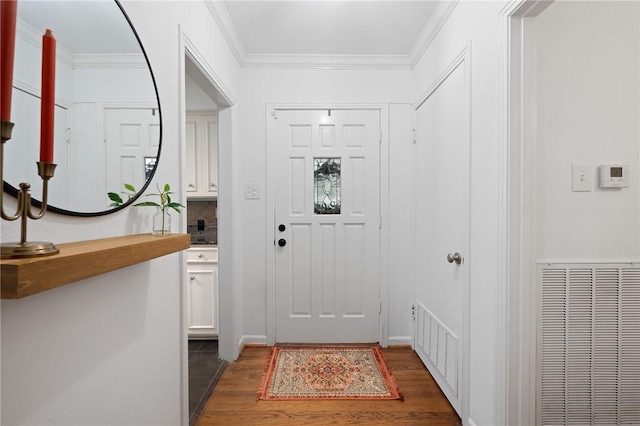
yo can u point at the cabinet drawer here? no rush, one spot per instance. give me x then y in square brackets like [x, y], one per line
[202, 255]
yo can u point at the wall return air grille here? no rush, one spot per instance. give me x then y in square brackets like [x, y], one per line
[440, 346]
[589, 344]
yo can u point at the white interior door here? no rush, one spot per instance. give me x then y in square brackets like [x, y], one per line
[442, 230]
[327, 213]
[131, 137]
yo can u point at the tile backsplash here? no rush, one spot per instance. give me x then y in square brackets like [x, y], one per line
[204, 211]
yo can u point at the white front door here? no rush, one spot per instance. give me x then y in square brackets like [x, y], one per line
[132, 138]
[442, 230]
[327, 214]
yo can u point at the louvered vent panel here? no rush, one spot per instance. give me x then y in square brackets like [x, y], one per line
[629, 373]
[554, 337]
[589, 343]
[440, 346]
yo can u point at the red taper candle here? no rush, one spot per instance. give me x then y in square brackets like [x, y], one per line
[47, 109]
[8, 10]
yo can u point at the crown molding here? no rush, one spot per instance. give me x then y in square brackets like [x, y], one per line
[221, 15]
[327, 61]
[436, 21]
[110, 61]
[431, 29]
[34, 37]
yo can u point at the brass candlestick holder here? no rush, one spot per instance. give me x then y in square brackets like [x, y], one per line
[23, 211]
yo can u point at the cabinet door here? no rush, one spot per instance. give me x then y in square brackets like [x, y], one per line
[193, 166]
[202, 300]
[211, 168]
[202, 154]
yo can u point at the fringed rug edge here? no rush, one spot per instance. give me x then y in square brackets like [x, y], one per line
[385, 370]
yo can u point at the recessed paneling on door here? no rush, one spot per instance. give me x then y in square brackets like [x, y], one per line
[327, 195]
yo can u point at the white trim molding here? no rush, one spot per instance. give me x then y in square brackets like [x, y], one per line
[307, 61]
[110, 61]
[431, 29]
[515, 365]
[221, 15]
[251, 339]
[34, 37]
[400, 341]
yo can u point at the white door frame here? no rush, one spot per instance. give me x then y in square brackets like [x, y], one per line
[515, 396]
[383, 109]
[229, 299]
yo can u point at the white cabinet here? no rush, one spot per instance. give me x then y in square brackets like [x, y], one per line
[202, 292]
[202, 155]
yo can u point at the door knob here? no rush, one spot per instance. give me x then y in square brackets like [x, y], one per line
[456, 257]
[281, 228]
[282, 242]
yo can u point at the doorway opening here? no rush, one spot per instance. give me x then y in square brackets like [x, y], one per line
[202, 90]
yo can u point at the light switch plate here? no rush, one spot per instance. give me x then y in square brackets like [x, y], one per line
[581, 178]
[252, 191]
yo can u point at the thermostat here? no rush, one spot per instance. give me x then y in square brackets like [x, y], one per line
[614, 176]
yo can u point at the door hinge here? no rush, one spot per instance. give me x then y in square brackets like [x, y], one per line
[274, 114]
[379, 306]
[380, 222]
[413, 312]
[413, 134]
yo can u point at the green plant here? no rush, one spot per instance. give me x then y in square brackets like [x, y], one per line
[165, 198]
[117, 199]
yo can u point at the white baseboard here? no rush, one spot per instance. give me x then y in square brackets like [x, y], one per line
[470, 422]
[252, 340]
[400, 341]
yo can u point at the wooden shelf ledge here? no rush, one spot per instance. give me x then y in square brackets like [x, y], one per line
[83, 259]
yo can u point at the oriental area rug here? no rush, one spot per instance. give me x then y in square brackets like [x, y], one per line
[296, 373]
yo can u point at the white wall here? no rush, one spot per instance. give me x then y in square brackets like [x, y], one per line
[477, 24]
[112, 349]
[196, 98]
[588, 109]
[306, 87]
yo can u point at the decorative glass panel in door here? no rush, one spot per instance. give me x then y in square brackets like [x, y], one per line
[326, 185]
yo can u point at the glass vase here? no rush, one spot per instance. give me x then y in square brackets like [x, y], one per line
[161, 222]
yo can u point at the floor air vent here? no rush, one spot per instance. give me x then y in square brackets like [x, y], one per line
[589, 344]
[440, 346]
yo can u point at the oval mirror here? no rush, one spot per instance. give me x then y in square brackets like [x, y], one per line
[108, 126]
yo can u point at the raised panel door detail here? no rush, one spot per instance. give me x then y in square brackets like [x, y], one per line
[202, 300]
[358, 186]
[127, 144]
[300, 270]
[192, 164]
[354, 136]
[355, 258]
[297, 186]
[327, 135]
[327, 269]
[301, 136]
[212, 156]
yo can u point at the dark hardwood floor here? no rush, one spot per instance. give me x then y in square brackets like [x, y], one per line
[233, 401]
[205, 369]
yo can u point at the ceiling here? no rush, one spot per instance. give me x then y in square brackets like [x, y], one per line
[82, 27]
[330, 32]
